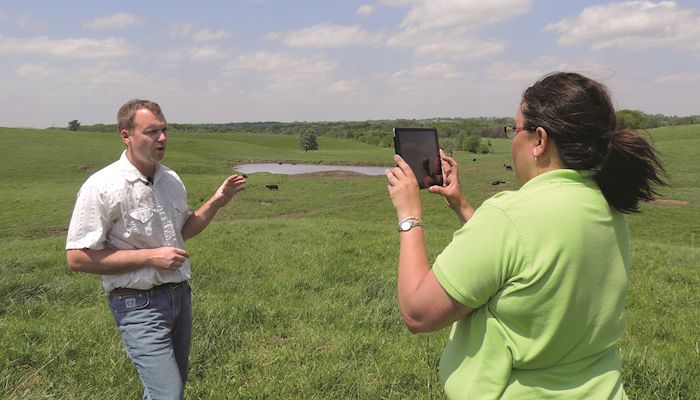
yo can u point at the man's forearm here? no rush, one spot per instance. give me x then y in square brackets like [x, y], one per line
[107, 262]
[199, 220]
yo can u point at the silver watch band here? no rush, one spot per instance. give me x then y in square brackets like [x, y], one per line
[408, 223]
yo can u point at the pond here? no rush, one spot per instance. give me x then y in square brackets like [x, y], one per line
[293, 169]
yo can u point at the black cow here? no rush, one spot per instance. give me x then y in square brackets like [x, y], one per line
[272, 187]
[508, 167]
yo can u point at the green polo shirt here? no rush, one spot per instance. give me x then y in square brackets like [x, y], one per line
[546, 270]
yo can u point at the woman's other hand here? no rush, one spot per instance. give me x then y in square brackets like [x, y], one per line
[452, 191]
[403, 190]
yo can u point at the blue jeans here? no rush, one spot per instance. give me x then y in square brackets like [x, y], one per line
[156, 326]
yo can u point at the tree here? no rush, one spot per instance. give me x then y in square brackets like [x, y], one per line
[74, 125]
[472, 143]
[448, 145]
[307, 141]
[629, 119]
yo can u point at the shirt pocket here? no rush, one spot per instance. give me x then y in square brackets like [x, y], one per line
[139, 222]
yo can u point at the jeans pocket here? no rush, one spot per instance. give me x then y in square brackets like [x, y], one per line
[128, 302]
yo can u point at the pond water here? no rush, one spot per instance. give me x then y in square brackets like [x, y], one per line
[293, 169]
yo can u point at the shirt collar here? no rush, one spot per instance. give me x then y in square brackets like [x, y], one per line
[559, 175]
[131, 173]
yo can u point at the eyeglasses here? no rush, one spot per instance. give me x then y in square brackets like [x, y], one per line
[511, 130]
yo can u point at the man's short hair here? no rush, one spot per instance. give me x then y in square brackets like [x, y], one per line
[125, 116]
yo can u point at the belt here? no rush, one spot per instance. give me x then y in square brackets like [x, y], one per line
[121, 291]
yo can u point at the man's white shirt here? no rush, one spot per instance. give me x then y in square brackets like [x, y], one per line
[118, 209]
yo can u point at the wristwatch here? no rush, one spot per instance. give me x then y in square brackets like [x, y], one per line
[406, 224]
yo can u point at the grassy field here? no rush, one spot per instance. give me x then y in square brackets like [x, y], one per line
[294, 290]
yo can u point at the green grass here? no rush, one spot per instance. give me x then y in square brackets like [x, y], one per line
[294, 290]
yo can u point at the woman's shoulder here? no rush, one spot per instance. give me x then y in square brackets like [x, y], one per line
[503, 200]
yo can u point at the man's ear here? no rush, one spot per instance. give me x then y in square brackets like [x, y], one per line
[542, 142]
[125, 136]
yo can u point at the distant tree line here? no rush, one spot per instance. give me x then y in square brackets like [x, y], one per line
[633, 119]
[455, 133]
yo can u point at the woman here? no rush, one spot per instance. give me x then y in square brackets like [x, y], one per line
[534, 282]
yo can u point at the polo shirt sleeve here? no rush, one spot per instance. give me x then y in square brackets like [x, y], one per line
[90, 221]
[481, 258]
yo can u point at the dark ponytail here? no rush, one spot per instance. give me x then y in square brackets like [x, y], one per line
[628, 171]
[579, 117]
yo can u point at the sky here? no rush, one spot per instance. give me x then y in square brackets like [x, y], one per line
[335, 60]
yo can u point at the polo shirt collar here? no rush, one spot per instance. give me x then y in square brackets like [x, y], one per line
[559, 175]
[132, 174]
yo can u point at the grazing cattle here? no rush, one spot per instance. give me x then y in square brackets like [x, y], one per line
[272, 187]
[508, 167]
[498, 182]
[473, 159]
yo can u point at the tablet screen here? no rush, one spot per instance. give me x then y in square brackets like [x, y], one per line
[419, 148]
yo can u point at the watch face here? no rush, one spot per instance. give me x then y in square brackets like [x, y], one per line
[406, 225]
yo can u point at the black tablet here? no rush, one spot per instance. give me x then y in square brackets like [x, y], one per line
[419, 148]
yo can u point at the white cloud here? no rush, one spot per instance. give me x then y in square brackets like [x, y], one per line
[449, 28]
[181, 29]
[424, 78]
[435, 70]
[514, 72]
[633, 25]
[282, 70]
[344, 86]
[328, 35]
[682, 78]
[398, 3]
[528, 74]
[206, 35]
[190, 30]
[470, 14]
[81, 79]
[77, 48]
[365, 9]
[118, 20]
[454, 44]
[37, 71]
[206, 53]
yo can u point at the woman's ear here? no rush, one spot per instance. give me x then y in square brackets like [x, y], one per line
[541, 142]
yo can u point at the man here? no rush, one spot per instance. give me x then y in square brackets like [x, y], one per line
[129, 225]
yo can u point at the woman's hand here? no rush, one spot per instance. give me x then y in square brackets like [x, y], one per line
[403, 190]
[452, 191]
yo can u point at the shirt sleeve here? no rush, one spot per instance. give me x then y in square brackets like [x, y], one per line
[481, 258]
[90, 221]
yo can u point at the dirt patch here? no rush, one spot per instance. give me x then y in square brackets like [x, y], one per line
[282, 337]
[295, 214]
[331, 174]
[669, 202]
